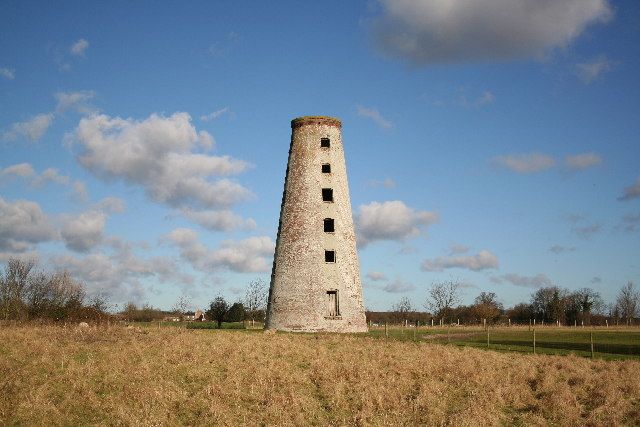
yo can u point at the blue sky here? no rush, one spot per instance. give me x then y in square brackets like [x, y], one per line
[143, 146]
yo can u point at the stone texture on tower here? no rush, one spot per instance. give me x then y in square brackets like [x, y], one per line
[315, 280]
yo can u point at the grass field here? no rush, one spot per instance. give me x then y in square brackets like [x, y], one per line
[609, 343]
[169, 376]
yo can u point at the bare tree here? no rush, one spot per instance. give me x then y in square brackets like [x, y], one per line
[181, 306]
[443, 296]
[13, 288]
[627, 302]
[402, 309]
[255, 299]
[487, 306]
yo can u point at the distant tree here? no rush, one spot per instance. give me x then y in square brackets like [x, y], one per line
[520, 313]
[13, 288]
[255, 299]
[442, 298]
[182, 306]
[628, 302]
[581, 304]
[236, 313]
[402, 310]
[218, 310]
[487, 306]
[548, 304]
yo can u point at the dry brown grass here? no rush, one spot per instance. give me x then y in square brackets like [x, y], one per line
[118, 376]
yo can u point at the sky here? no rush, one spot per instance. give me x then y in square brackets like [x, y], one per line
[143, 145]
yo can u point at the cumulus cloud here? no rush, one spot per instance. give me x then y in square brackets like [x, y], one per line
[32, 129]
[592, 70]
[537, 281]
[398, 287]
[7, 73]
[157, 153]
[214, 115]
[22, 224]
[76, 101]
[631, 192]
[84, 231]
[525, 163]
[582, 161]
[391, 220]
[22, 170]
[446, 31]
[79, 47]
[80, 191]
[50, 175]
[376, 276]
[483, 260]
[120, 274]
[223, 220]
[249, 255]
[111, 204]
[373, 114]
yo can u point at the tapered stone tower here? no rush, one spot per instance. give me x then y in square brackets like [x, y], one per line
[315, 280]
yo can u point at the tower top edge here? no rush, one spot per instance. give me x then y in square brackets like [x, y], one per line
[316, 120]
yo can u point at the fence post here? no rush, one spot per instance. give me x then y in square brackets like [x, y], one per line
[487, 337]
[414, 332]
[509, 322]
[591, 339]
[386, 331]
[534, 340]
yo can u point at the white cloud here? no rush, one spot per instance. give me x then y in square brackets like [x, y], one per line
[391, 220]
[458, 249]
[485, 99]
[592, 70]
[84, 231]
[22, 170]
[582, 161]
[398, 287]
[483, 260]
[223, 220]
[537, 281]
[79, 47]
[631, 192]
[111, 204]
[373, 114]
[376, 276]
[32, 129]
[446, 31]
[77, 101]
[50, 175]
[385, 183]
[80, 191]
[157, 154]
[22, 223]
[8, 73]
[525, 163]
[214, 115]
[253, 254]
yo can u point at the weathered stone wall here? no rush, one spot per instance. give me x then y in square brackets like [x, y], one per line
[300, 278]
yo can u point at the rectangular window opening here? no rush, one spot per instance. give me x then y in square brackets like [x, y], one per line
[333, 305]
[329, 225]
[326, 168]
[325, 143]
[327, 194]
[330, 256]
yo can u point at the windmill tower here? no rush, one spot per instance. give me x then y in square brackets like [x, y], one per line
[315, 280]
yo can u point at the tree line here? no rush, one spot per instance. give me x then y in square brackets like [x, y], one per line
[550, 305]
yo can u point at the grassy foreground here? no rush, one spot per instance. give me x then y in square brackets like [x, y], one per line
[125, 376]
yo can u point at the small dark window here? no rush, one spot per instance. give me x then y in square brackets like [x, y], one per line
[325, 143]
[333, 305]
[328, 225]
[326, 168]
[329, 256]
[327, 194]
